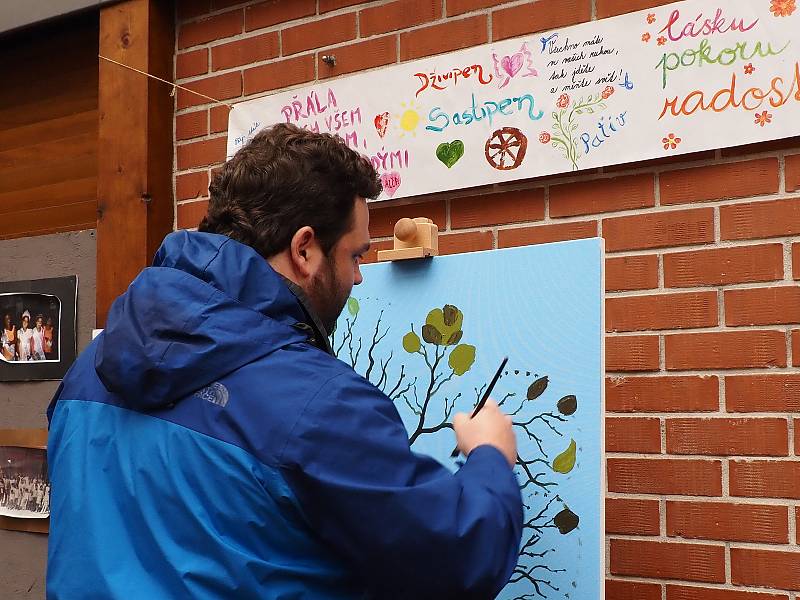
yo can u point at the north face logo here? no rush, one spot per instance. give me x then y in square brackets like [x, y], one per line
[216, 393]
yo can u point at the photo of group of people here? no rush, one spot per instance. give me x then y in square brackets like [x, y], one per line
[37, 328]
[30, 333]
[24, 486]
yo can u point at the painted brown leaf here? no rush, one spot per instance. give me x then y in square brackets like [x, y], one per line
[567, 405]
[431, 335]
[566, 521]
[450, 314]
[537, 388]
[455, 338]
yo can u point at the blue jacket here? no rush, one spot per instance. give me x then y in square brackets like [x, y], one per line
[201, 447]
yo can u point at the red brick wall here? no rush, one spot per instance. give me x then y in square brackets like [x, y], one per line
[703, 304]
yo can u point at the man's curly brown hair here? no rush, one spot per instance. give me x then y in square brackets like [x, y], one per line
[284, 179]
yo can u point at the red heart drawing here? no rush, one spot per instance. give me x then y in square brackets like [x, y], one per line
[381, 123]
[512, 64]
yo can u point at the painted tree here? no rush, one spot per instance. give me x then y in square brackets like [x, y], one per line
[442, 357]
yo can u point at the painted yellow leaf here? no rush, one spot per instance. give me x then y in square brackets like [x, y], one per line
[564, 462]
[461, 358]
[411, 342]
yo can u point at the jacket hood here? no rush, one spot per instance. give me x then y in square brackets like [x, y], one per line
[206, 307]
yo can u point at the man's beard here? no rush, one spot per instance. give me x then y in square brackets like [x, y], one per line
[327, 296]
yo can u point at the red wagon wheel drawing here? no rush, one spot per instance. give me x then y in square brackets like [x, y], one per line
[506, 148]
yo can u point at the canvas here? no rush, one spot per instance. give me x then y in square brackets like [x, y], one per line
[431, 334]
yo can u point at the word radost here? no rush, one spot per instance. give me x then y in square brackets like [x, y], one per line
[474, 114]
[704, 55]
[438, 81]
[607, 129]
[702, 26]
[750, 99]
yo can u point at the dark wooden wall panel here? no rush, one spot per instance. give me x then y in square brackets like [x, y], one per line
[48, 128]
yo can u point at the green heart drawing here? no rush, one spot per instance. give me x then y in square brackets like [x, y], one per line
[450, 153]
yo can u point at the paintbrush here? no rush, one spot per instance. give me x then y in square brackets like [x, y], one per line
[485, 397]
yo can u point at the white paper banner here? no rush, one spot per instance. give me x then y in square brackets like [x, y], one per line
[680, 78]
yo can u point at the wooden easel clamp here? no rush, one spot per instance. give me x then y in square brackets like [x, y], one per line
[413, 238]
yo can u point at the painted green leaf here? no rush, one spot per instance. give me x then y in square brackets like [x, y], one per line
[431, 334]
[461, 358]
[411, 342]
[566, 521]
[352, 306]
[565, 462]
[446, 322]
[567, 405]
[537, 388]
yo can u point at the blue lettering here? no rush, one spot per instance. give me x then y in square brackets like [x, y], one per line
[530, 108]
[585, 137]
[439, 120]
[436, 114]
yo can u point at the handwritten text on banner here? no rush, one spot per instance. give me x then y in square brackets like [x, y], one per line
[679, 78]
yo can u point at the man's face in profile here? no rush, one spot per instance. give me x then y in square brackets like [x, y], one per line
[331, 286]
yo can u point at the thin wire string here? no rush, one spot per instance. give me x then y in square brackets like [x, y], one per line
[169, 83]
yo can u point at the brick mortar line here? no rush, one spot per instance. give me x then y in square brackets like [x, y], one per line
[698, 584]
[787, 256]
[645, 212]
[778, 283]
[728, 568]
[735, 545]
[706, 372]
[700, 416]
[694, 499]
[712, 457]
[782, 173]
[711, 329]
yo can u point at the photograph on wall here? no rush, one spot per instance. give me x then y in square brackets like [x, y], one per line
[37, 339]
[24, 486]
[431, 333]
[24, 483]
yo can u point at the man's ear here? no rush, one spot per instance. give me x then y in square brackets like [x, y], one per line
[303, 250]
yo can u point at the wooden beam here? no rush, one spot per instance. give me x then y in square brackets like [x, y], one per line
[134, 180]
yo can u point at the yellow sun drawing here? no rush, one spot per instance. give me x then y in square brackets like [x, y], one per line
[408, 120]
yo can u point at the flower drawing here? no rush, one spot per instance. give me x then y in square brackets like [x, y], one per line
[783, 8]
[565, 124]
[544, 137]
[607, 92]
[749, 68]
[651, 18]
[670, 142]
[662, 40]
[763, 118]
[645, 37]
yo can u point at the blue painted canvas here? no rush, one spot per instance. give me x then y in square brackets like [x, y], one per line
[431, 334]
